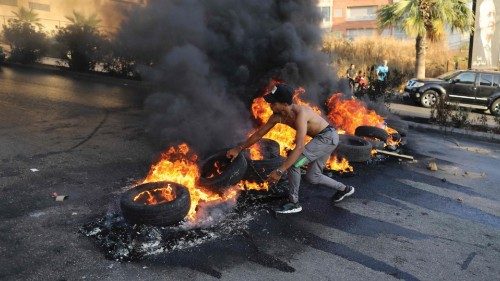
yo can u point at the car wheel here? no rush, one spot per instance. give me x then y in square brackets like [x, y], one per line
[429, 98]
[495, 107]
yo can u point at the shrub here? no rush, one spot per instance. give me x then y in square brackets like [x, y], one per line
[80, 42]
[2, 55]
[366, 52]
[118, 62]
[28, 42]
[446, 114]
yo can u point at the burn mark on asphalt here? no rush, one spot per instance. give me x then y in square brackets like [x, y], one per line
[264, 259]
[468, 260]
[354, 223]
[347, 253]
[104, 118]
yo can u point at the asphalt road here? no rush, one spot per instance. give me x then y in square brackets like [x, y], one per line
[85, 136]
[419, 113]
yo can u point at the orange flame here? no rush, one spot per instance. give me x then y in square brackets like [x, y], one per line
[391, 141]
[179, 165]
[255, 152]
[156, 196]
[340, 165]
[248, 185]
[348, 114]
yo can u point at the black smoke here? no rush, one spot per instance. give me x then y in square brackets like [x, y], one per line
[211, 58]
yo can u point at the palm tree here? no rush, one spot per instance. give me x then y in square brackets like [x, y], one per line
[27, 16]
[426, 20]
[78, 19]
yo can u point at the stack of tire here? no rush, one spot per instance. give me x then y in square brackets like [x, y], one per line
[353, 148]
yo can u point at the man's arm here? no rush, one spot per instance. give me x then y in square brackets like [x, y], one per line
[255, 137]
[301, 128]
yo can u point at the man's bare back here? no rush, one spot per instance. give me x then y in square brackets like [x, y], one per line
[315, 122]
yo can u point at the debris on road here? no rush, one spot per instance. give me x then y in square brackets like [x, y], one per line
[388, 153]
[34, 170]
[58, 197]
[432, 166]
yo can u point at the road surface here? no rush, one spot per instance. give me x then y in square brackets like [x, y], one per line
[84, 137]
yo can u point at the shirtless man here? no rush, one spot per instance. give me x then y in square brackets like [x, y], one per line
[315, 153]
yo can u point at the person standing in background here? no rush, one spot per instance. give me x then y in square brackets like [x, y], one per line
[382, 73]
[351, 74]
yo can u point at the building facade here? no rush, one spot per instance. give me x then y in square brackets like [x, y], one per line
[352, 18]
[53, 13]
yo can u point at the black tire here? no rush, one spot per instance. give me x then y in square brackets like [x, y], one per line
[269, 148]
[399, 125]
[162, 214]
[354, 148]
[372, 132]
[495, 107]
[429, 98]
[258, 170]
[377, 144]
[233, 171]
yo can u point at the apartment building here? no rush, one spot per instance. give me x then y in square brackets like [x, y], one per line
[52, 13]
[351, 18]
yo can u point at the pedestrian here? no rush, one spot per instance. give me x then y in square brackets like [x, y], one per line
[360, 81]
[382, 72]
[351, 74]
[313, 154]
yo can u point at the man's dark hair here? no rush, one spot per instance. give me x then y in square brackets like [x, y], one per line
[280, 93]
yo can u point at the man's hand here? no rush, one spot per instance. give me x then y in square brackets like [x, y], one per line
[233, 152]
[274, 176]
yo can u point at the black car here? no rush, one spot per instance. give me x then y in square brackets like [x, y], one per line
[475, 87]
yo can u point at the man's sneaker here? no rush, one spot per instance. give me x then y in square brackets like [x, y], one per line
[349, 190]
[289, 208]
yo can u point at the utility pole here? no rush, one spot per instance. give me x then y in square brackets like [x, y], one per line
[471, 39]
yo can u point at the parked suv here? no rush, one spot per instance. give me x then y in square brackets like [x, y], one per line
[475, 87]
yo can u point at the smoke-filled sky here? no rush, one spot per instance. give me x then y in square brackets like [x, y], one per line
[211, 57]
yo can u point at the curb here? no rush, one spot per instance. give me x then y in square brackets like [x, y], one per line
[66, 72]
[455, 131]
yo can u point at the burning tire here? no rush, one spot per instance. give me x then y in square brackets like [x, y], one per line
[398, 125]
[258, 170]
[372, 132]
[377, 144]
[269, 148]
[354, 148]
[218, 172]
[137, 206]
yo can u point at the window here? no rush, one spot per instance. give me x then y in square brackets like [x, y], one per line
[496, 82]
[485, 79]
[39, 6]
[325, 13]
[359, 32]
[466, 78]
[361, 13]
[8, 2]
[337, 13]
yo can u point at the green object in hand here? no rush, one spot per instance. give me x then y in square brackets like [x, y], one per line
[301, 161]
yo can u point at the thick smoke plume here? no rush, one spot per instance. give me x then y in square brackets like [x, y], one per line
[210, 59]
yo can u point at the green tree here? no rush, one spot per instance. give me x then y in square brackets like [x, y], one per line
[28, 42]
[80, 42]
[426, 20]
